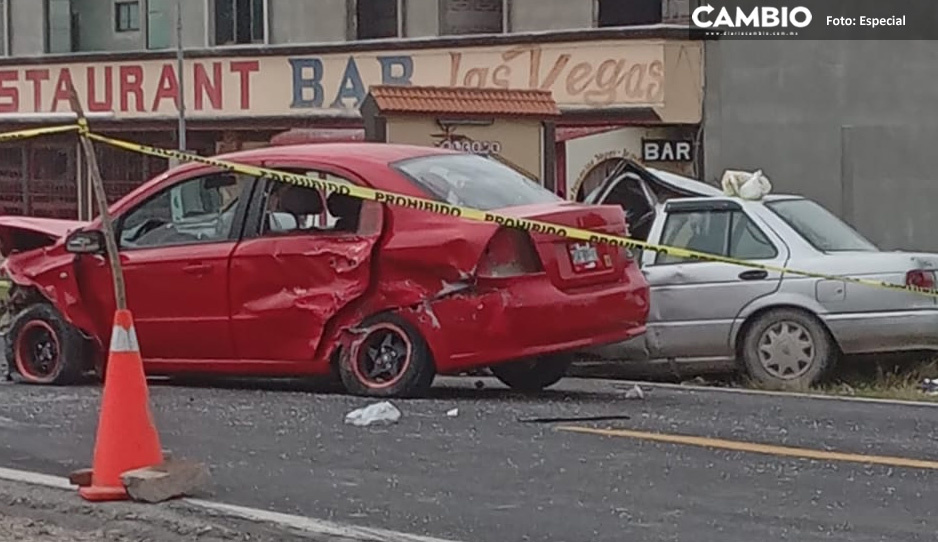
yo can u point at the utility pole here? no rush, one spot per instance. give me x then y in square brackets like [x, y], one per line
[180, 61]
[97, 184]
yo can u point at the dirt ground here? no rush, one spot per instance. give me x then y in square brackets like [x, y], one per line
[33, 514]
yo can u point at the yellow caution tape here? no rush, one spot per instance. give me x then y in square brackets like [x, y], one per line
[34, 132]
[381, 196]
[437, 207]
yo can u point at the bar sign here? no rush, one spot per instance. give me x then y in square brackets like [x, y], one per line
[666, 150]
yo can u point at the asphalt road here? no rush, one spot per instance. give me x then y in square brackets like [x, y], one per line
[486, 476]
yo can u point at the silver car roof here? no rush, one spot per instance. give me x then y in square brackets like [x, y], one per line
[705, 190]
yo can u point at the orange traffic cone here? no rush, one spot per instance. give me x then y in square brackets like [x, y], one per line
[127, 437]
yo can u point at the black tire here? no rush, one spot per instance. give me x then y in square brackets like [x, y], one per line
[533, 374]
[408, 366]
[45, 349]
[805, 352]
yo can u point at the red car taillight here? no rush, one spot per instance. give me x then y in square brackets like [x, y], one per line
[918, 278]
[509, 253]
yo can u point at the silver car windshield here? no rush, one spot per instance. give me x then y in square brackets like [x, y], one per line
[473, 181]
[820, 227]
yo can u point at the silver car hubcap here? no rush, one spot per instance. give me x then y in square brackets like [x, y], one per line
[786, 350]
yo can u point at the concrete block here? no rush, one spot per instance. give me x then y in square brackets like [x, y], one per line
[169, 480]
[80, 478]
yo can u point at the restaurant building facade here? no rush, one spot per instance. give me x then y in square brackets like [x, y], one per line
[622, 92]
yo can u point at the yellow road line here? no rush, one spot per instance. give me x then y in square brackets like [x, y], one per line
[741, 446]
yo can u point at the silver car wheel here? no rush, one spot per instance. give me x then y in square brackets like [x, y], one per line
[786, 350]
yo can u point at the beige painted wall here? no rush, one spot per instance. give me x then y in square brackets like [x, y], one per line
[683, 93]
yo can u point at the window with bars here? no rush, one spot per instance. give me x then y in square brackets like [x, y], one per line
[628, 12]
[127, 16]
[377, 19]
[240, 21]
[472, 17]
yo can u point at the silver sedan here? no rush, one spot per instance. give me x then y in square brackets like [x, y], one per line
[784, 330]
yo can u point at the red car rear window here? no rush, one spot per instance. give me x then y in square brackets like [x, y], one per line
[469, 180]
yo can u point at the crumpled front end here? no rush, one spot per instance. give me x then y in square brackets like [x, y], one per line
[38, 268]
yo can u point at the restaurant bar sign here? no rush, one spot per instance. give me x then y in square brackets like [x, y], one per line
[591, 74]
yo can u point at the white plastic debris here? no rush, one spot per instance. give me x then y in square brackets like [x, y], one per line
[930, 386]
[452, 413]
[746, 185]
[635, 393]
[383, 413]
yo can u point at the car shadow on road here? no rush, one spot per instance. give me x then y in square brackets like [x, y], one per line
[449, 391]
[508, 395]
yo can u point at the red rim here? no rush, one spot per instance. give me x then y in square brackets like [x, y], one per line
[37, 351]
[382, 357]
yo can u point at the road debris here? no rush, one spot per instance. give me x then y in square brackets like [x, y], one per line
[635, 393]
[80, 478]
[169, 480]
[930, 386]
[383, 413]
[452, 413]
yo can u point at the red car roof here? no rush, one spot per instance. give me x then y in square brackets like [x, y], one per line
[339, 153]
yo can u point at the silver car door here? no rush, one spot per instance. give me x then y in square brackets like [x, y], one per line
[694, 302]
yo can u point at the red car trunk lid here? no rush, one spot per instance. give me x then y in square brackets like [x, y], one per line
[572, 263]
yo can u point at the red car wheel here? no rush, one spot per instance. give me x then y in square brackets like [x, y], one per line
[37, 352]
[389, 359]
[44, 348]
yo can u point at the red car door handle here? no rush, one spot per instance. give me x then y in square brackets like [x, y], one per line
[197, 268]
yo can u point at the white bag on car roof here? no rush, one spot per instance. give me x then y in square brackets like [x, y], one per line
[746, 185]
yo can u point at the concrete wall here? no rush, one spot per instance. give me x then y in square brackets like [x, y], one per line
[533, 15]
[291, 21]
[193, 25]
[422, 18]
[96, 27]
[847, 123]
[303, 21]
[4, 44]
[27, 28]
[890, 184]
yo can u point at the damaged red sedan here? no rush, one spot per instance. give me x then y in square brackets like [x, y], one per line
[231, 274]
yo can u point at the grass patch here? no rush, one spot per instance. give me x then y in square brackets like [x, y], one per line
[894, 376]
[899, 378]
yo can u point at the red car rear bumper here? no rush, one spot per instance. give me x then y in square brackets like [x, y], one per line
[518, 318]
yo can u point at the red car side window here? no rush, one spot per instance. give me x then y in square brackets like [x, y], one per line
[293, 209]
[198, 210]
